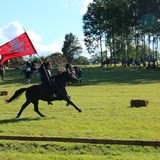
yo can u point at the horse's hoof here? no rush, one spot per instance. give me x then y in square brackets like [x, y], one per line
[17, 117]
[79, 110]
[67, 104]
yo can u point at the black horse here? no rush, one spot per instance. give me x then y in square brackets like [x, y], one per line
[36, 92]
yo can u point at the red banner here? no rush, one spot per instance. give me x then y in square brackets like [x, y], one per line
[18, 47]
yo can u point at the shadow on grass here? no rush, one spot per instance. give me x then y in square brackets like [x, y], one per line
[16, 120]
[13, 76]
[98, 75]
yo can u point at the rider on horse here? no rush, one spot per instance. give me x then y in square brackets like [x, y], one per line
[47, 80]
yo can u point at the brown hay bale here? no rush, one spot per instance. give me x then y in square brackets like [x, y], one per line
[3, 93]
[138, 103]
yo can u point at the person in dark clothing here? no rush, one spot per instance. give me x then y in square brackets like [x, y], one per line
[68, 68]
[2, 71]
[28, 75]
[79, 75]
[47, 80]
[45, 74]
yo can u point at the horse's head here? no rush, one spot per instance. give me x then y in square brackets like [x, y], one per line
[69, 77]
[63, 78]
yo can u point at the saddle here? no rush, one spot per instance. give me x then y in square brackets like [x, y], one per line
[46, 89]
[51, 92]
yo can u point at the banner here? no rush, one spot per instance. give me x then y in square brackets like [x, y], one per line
[18, 47]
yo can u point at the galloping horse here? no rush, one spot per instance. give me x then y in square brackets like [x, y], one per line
[36, 92]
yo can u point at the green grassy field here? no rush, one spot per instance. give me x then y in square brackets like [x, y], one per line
[104, 96]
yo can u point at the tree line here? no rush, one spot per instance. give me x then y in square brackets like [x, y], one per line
[71, 51]
[123, 29]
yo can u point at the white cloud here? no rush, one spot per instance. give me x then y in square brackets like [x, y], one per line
[52, 47]
[14, 29]
[10, 31]
[66, 5]
[84, 6]
[44, 49]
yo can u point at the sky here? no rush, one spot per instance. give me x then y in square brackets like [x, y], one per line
[46, 22]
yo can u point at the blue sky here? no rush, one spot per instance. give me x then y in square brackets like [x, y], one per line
[45, 21]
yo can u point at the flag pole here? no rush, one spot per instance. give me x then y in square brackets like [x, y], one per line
[40, 60]
[49, 80]
[30, 42]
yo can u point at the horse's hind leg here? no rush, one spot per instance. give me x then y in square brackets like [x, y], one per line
[22, 108]
[67, 104]
[37, 110]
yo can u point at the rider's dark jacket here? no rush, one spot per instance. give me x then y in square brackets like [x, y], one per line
[46, 79]
[45, 76]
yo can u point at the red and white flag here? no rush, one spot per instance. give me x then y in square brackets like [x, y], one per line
[18, 47]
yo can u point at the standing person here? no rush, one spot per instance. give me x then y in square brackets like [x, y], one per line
[23, 69]
[79, 75]
[73, 72]
[68, 68]
[2, 71]
[28, 75]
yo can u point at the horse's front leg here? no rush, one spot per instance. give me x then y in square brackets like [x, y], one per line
[67, 104]
[79, 110]
[70, 102]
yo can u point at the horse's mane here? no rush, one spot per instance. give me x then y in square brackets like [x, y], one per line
[61, 79]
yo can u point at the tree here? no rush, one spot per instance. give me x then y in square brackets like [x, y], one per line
[93, 28]
[125, 24]
[57, 59]
[81, 60]
[71, 47]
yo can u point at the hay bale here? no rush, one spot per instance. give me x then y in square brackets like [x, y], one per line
[3, 93]
[138, 103]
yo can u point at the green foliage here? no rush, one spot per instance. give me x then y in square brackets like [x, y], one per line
[104, 96]
[57, 59]
[81, 60]
[126, 23]
[71, 47]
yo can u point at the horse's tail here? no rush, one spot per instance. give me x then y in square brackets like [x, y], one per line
[16, 95]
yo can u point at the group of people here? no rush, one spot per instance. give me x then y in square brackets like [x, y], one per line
[29, 67]
[75, 71]
[46, 77]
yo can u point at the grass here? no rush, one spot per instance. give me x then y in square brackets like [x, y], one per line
[104, 97]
